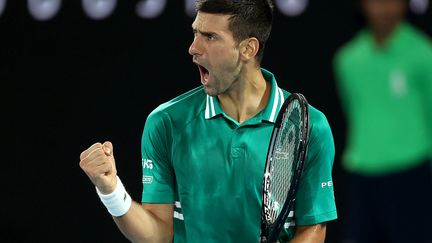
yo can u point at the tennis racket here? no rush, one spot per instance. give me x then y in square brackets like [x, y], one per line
[284, 165]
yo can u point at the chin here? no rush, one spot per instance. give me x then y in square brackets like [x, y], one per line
[210, 91]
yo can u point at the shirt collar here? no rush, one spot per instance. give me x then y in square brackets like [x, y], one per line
[269, 113]
[397, 38]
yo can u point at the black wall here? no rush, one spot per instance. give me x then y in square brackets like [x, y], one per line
[71, 81]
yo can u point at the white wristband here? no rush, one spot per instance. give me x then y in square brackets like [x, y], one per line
[117, 202]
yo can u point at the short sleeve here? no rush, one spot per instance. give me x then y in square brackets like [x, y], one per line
[158, 176]
[315, 201]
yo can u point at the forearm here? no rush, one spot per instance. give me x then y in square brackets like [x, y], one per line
[141, 225]
[310, 234]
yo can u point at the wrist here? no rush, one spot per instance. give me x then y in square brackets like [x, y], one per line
[108, 189]
[117, 202]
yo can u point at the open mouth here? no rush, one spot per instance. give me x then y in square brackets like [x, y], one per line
[204, 73]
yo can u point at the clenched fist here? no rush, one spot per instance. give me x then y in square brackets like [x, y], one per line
[99, 165]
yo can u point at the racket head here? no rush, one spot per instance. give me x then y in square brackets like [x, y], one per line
[284, 165]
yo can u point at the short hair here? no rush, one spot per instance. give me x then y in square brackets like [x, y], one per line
[249, 18]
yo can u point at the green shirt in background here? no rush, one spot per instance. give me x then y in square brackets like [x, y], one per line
[386, 93]
[211, 167]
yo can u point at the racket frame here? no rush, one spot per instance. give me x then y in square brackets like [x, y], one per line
[280, 221]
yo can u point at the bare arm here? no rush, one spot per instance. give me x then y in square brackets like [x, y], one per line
[310, 234]
[140, 223]
[147, 223]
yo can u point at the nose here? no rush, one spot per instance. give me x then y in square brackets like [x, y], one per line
[194, 47]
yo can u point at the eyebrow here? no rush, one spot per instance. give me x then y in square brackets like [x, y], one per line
[205, 33]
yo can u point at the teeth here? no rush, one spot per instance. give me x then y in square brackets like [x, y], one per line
[204, 73]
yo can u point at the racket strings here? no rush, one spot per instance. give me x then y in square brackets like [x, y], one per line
[283, 163]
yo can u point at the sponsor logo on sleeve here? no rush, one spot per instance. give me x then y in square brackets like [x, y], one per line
[326, 184]
[147, 164]
[147, 179]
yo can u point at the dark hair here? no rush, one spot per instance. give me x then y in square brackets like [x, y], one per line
[249, 18]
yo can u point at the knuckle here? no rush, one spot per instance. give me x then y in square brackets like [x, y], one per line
[97, 145]
[83, 155]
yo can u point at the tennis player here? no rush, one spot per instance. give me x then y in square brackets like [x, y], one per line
[203, 152]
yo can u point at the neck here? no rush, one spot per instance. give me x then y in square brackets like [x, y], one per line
[381, 35]
[249, 96]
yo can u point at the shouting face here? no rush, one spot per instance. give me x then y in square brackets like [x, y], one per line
[216, 53]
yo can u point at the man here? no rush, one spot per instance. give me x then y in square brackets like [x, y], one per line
[204, 151]
[384, 75]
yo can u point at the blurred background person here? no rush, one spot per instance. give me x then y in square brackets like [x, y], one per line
[384, 79]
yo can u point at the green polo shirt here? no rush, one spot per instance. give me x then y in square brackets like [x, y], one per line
[386, 93]
[211, 167]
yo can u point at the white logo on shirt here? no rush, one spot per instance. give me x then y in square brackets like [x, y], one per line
[147, 179]
[146, 163]
[326, 183]
[398, 85]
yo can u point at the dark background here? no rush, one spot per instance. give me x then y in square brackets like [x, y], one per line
[71, 81]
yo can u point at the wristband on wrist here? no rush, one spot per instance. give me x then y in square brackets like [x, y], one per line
[117, 202]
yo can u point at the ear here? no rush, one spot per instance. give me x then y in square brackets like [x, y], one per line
[249, 48]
